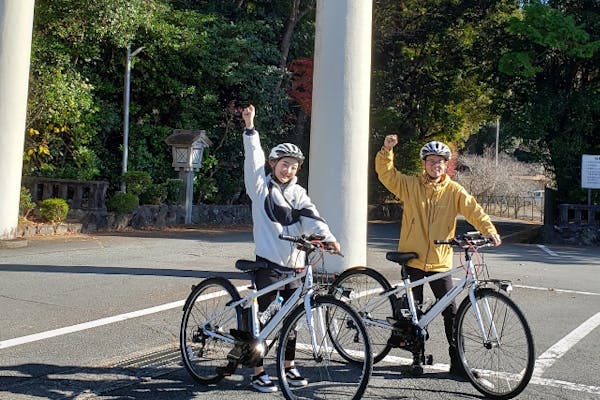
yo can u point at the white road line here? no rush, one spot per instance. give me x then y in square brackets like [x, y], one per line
[544, 289]
[547, 250]
[103, 321]
[557, 290]
[545, 361]
[555, 352]
[576, 387]
[87, 325]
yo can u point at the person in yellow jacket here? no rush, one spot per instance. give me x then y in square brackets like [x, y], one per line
[431, 202]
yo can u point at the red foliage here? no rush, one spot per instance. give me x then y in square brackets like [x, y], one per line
[451, 166]
[302, 76]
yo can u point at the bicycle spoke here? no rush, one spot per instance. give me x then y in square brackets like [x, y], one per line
[500, 367]
[341, 366]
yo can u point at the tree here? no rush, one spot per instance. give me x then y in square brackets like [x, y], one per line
[430, 72]
[479, 175]
[552, 86]
[201, 62]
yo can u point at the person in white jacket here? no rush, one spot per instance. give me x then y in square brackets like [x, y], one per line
[279, 206]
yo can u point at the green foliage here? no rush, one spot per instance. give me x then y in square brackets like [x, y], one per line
[122, 203]
[54, 210]
[174, 189]
[26, 205]
[441, 70]
[200, 59]
[154, 194]
[428, 70]
[137, 182]
[59, 126]
[553, 82]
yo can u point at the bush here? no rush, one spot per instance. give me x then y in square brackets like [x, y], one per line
[54, 210]
[26, 205]
[154, 194]
[136, 181]
[122, 203]
[175, 188]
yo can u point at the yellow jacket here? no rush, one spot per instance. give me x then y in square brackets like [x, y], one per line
[429, 213]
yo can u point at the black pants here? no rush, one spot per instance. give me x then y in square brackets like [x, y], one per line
[439, 287]
[267, 276]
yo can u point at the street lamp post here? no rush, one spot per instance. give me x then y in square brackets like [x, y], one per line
[497, 138]
[130, 56]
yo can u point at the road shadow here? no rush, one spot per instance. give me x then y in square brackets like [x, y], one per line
[47, 381]
[221, 234]
[118, 270]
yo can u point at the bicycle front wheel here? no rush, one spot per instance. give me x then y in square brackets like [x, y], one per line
[361, 287]
[334, 356]
[205, 336]
[500, 366]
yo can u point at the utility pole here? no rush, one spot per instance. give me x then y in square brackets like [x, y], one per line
[130, 56]
[497, 137]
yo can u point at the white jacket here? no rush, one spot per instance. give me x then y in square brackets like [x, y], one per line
[277, 209]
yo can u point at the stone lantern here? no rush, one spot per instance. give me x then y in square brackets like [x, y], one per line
[188, 147]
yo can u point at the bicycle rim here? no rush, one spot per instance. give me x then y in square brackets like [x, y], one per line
[357, 286]
[502, 367]
[331, 374]
[205, 357]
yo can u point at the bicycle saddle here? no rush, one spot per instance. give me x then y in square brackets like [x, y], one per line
[400, 258]
[249, 266]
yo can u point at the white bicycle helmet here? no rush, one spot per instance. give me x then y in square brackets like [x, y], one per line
[286, 150]
[436, 148]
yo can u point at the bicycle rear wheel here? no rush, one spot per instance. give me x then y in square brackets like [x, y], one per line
[500, 367]
[204, 313]
[342, 365]
[359, 286]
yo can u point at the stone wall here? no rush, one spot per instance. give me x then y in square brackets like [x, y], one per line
[157, 217]
[160, 216]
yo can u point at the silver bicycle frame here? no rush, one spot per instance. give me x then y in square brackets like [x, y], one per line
[250, 301]
[469, 279]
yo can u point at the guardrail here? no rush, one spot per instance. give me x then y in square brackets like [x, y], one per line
[516, 207]
[82, 195]
[578, 215]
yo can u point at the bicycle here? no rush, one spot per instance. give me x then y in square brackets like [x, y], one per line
[494, 341]
[220, 330]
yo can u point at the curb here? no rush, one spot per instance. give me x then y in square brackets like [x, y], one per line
[13, 243]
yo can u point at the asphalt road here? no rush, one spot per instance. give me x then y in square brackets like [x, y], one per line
[97, 316]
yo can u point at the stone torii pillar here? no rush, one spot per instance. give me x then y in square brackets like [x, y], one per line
[16, 25]
[339, 141]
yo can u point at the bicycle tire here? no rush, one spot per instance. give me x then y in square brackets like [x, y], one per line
[330, 375]
[356, 286]
[204, 357]
[502, 368]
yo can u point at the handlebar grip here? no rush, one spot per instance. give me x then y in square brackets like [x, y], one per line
[288, 238]
[442, 242]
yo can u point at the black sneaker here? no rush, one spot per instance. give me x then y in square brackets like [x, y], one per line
[294, 378]
[263, 383]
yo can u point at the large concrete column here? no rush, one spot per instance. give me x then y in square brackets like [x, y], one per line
[340, 124]
[16, 24]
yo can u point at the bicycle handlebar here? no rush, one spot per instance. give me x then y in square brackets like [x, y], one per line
[469, 239]
[310, 243]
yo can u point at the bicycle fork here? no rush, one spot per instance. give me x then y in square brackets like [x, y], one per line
[317, 345]
[479, 317]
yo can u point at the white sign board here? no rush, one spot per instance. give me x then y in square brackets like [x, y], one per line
[590, 171]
